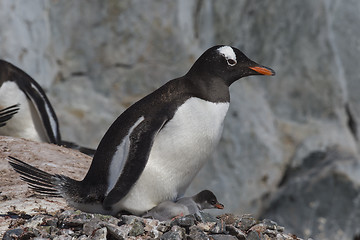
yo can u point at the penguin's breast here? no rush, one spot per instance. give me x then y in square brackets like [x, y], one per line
[181, 148]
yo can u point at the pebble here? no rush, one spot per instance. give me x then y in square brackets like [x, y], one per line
[100, 234]
[13, 234]
[236, 232]
[219, 227]
[252, 235]
[114, 231]
[90, 227]
[222, 237]
[137, 228]
[206, 217]
[197, 234]
[176, 233]
[246, 222]
[185, 221]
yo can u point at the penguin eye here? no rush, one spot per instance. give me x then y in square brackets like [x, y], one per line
[231, 62]
[212, 202]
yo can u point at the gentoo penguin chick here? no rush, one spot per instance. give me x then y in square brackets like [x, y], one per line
[154, 149]
[7, 113]
[35, 119]
[185, 206]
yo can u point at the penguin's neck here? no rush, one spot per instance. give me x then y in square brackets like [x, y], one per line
[209, 88]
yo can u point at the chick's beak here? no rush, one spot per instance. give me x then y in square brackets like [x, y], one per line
[219, 205]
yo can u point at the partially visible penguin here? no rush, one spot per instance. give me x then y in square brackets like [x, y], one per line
[35, 118]
[155, 148]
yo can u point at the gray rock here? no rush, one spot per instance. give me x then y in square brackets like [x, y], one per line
[197, 234]
[176, 233]
[206, 217]
[222, 237]
[219, 227]
[114, 231]
[270, 224]
[235, 232]
[246, 222]
[270, 233]
[68, 213]
[163, 227]
[171, 236]
[67, 232]
[100, 234]
[129, 219]
[228, 218]
[62, 237]
[75, 221]
[13, 234]
[137, 228]
[50, 221]
[35, 221]
[185, 221]
[312, 197]
[90, 227]
[83, 237]
[254, 236]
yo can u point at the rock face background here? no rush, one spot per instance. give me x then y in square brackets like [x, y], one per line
[95, 58]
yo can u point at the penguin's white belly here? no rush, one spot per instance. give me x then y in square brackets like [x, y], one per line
[21, 125]
[179, 151]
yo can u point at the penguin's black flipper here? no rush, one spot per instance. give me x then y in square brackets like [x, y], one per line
[141, 141]
[7, 113]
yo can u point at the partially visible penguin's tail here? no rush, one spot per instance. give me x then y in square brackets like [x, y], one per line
[7, 113]
[43, 182]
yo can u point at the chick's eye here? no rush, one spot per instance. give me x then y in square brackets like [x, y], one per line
[213, 202]
[231, 62]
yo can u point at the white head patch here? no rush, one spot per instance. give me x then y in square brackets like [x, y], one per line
[229, 54]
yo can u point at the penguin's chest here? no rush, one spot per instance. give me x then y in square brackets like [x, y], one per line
[187, 140]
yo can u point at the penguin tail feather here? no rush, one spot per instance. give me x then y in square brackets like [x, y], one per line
[40, 181]
[7, 113]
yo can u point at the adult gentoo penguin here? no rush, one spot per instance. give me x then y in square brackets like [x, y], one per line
[185, 206]
[35, 118]
[154, 149]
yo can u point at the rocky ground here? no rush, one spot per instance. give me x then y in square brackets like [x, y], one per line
[78, 225]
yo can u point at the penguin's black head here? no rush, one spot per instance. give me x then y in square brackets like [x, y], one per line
[227, 63]
[207, 200]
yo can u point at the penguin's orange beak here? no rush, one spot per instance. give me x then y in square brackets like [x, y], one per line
[219, 205]
[263, 70]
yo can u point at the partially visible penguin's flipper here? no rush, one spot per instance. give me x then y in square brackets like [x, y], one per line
[87, 151]
[7, 113]
[141, 141]
[43, 114]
